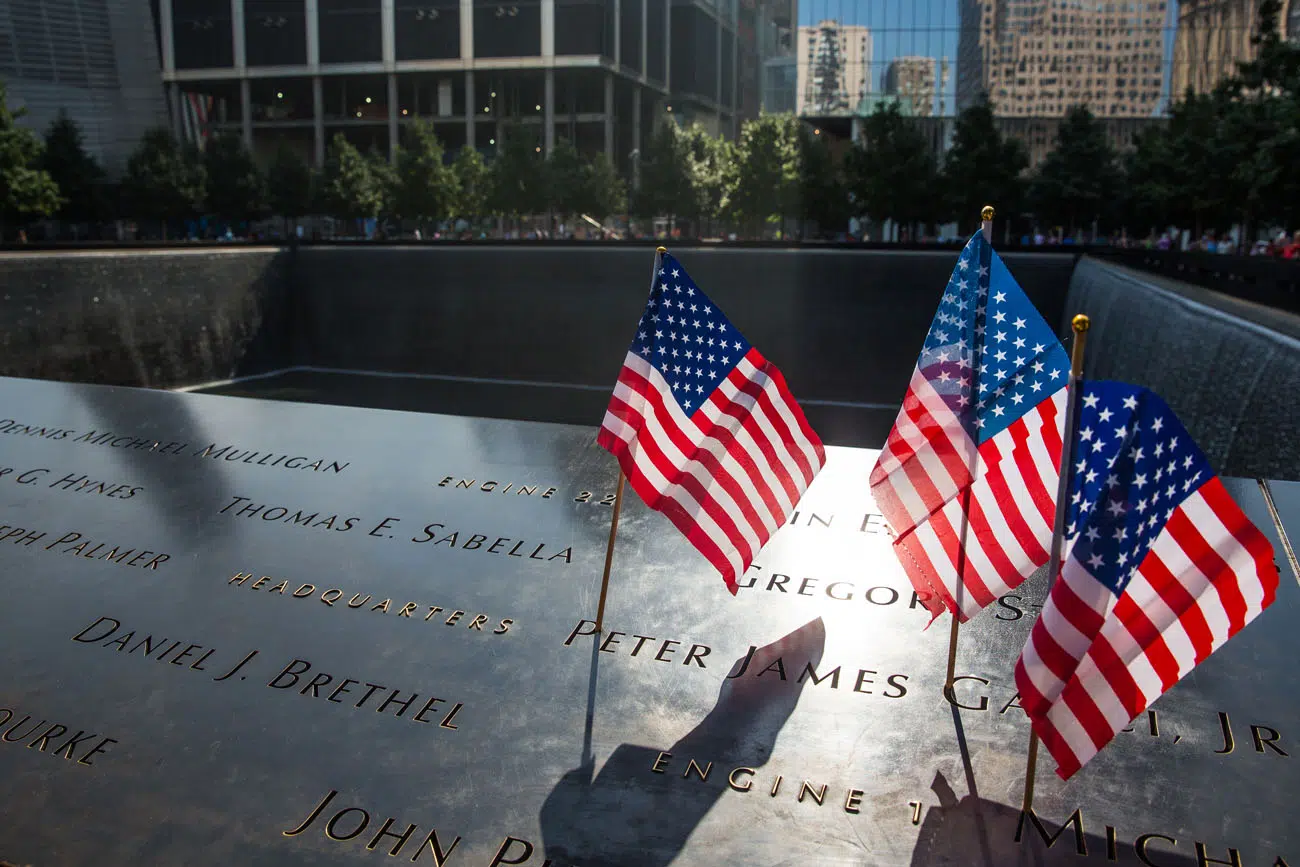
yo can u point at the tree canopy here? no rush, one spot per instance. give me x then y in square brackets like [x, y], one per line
[764, 176]
[426, 186]
[349, 188]
[473, 184]
[893, 175]
[26, 188]
[289, 183]
[1078, 182]
[982, 167]
[78, 176]
[164, 180]
[236, 187]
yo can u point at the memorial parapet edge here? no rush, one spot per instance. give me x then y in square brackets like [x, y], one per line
[246, 632]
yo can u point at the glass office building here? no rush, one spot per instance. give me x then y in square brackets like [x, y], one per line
[600, 73]
[95, 59]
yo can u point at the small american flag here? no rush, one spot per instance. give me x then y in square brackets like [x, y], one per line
[967, 479]
[1161, 568]
[704, 427]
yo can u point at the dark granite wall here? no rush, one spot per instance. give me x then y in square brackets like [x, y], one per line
[1229, 369]
[842, 325]
[148, 318]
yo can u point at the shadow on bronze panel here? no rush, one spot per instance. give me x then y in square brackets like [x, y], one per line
[973, 831]
[631, 816]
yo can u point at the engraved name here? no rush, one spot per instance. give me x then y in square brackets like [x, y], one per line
[89, 549]
[227, 452]
[345, 824]
[48, 737]
[1147, 847]
[73, 482]
[108, 632]
[799, 670]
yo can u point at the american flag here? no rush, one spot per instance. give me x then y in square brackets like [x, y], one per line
[704, 427]
[967, 479]
[1161, 568]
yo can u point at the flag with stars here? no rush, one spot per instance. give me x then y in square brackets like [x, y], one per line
[704, 427]
[1161, 568]
[967, 478]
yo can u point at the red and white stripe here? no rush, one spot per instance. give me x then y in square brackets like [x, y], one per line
[1093, 662]
[970, 522]
[727, 475]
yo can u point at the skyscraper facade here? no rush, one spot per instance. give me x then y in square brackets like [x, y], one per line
[833, 68]
[911, 80]
[1213, 36]
[1037, 58]
[599, 73]
[95, 59]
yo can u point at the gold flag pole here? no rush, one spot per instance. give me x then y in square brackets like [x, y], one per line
[1281, 530]
[609, 552]
[986, 226]
[618, 495]
[1080, 324]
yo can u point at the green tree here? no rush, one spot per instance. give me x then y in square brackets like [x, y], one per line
[518, 176]
[1261, 127]
[823, 197]
[764, 176]
[982, 168]
[236, 187]
[79, 177]
[26, 189]
[426, 185]
[289, 184]
[473, 184]
[892, 172]
[606, 190]
[568, 190]
[708, 163]
[349, 188]
[164, 180]
[1078, 182]
[665, 187]
[387, 183]
[1176, 173]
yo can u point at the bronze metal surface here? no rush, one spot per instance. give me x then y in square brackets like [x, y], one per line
[445, 699]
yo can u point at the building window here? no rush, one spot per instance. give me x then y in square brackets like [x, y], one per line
[426, 29]
[630, 34]
[275, 32]
[350, 31]
[201, 34]
[585, 27]
[507, 29]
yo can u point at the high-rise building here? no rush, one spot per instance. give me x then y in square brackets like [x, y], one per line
[95, 59]
[1037, 58]
[599, 73]
[1213, 36]
[780, 80]
[911, 80]
[834, 67]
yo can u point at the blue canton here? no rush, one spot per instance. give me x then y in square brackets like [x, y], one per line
[686, 337]
[987, 333]
[1133, 465]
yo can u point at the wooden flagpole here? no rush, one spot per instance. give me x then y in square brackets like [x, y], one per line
[986, 227]
[1281, 531]
[1080, 324]
[618, 495]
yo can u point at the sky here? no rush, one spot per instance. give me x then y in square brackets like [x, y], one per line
[928, 28]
